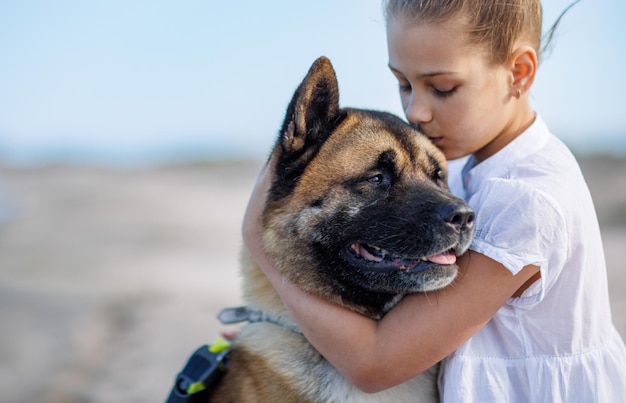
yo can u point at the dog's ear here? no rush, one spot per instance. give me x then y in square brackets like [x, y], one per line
[313, 111]
[312, 115]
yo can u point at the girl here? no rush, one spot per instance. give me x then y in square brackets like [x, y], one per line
[528, 317]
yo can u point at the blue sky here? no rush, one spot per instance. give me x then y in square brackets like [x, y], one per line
[125, 80]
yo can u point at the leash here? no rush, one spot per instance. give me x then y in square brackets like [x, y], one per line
[207, 364]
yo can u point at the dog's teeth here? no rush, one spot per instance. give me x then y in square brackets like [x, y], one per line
[355, 248]
[376, 251]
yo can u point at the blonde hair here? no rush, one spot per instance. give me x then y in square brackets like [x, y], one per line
[494, 25]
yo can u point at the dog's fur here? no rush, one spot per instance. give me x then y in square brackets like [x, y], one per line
[358, 200]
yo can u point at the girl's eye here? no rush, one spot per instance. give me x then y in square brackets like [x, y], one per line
[404, 87]
[444, 93]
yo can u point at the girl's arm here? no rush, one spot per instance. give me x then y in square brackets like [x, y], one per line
[416, 334]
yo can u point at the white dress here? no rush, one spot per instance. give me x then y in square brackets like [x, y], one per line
[555, 343]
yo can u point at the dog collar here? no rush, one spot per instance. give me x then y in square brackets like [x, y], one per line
[246, 314]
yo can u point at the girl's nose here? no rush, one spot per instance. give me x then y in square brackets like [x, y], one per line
[417, 110]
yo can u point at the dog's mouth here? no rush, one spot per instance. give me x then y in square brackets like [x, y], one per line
[374, 258]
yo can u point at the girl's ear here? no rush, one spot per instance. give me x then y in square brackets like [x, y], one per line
[524, 66]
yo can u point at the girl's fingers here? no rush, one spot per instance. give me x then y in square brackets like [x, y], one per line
[256, 204]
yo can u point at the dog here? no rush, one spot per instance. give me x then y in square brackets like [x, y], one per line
[358, 213]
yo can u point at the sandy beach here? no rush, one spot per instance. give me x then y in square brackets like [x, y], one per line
[110, 278]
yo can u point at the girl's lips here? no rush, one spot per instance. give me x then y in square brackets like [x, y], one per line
[436, 140]
[430, 136]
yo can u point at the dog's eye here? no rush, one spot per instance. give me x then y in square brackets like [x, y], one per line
[438, 174]
[376, 179]
[380, 181]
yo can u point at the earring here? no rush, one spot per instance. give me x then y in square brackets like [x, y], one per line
[518, 94]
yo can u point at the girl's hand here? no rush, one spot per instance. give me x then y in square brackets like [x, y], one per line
[252, 224]
[254, 211]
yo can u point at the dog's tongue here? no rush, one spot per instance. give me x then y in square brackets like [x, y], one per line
[443, 258]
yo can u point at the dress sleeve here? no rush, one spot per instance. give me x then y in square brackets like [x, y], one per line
[518, 225]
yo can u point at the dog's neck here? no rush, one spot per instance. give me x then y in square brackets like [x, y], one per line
[248, 314]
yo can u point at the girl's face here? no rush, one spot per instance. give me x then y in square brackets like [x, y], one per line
[458, 99]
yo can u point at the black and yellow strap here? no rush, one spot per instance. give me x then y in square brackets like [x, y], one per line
[203, 370]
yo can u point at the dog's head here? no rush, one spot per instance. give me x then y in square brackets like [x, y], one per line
[359, 211]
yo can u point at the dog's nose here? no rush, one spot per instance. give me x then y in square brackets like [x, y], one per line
[458, 215]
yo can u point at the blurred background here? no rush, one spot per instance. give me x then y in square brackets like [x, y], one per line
[131, 133]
